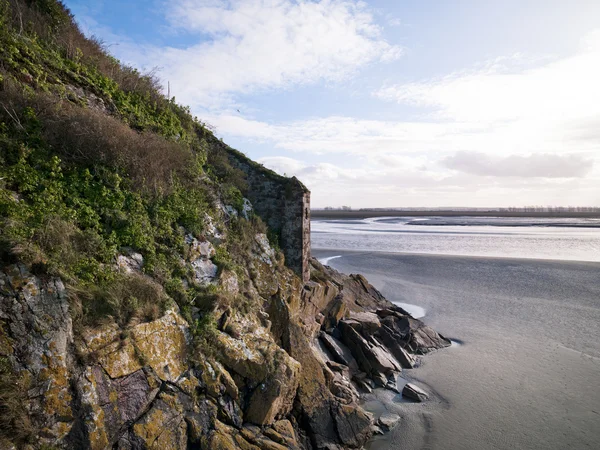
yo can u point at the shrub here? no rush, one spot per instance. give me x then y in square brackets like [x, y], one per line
[128, 299]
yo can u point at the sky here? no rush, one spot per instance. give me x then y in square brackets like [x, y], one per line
[415, 103]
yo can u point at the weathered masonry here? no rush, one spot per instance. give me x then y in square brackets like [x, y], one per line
[284, 205]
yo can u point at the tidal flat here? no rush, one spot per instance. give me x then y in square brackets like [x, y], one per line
[525, 370]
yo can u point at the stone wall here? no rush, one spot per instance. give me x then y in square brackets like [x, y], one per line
[284, 205]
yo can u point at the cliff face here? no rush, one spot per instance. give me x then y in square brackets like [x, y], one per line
[287, 375]
[156, 286]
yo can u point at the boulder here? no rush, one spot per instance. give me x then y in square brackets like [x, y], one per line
[421, 338]
[388, 421]
[371, 356]
[414, 393]
[130, 262]
[163, 426]
[205, 271]
[367, 322]
[353, 424]
[339, 351]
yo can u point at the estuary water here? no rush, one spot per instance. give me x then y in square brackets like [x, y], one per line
[522, 300]
[562, 239]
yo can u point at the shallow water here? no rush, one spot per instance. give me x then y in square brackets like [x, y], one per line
[527, 371]
[563, 239]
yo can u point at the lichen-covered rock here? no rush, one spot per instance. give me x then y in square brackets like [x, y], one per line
[161, 344]
[112, 403]
[274, 397]
[163, 426]
[36, 319]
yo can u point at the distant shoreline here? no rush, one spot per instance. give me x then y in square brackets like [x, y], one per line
[363, 214]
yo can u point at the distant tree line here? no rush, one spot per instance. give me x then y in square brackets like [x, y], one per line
[339, 208]
[551, 209]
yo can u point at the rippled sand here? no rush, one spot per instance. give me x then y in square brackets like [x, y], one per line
[527, 375]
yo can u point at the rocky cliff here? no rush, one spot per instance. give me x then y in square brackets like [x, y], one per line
[156, 288]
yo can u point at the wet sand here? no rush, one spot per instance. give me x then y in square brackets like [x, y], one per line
[527, 375]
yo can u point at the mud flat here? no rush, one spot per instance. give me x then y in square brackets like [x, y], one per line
[525, 368]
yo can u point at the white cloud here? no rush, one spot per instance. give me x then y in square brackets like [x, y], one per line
[536, 166]
[243, 46]
[548, 101]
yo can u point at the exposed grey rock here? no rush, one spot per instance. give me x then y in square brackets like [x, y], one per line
[247, 209]
[353, 424]
[388, 421]
[394, 341]
[371, 356]
[205, 271]
[265, 252]
[414, 393]
[37, 320]
[367, 322]
[421, 338]
[340, 352]
[130, 262]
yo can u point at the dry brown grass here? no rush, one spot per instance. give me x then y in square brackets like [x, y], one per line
[89, 137]
[127, 301]
[51, 20]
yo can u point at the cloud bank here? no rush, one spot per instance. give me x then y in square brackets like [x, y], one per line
[245, 46]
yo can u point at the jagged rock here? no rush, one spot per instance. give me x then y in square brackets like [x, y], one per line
[286, 430]
[377, 430]
[39, 327]
[205, 271]
[265, 252]
[211, 230]
[201, 421]
[198, 249]
[393, 341]
[353, 425]
[274, 397]
[388, 421]
[130, 262]
[230, 412]
[161, 344]
[422, 339]
[366, 322]
[229, 281]
[340, 352]
[414, 393]
[163, 426]
[370, 355]
[112, 403]
[247, 209]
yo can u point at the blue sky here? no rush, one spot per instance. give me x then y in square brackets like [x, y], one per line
[385, 103]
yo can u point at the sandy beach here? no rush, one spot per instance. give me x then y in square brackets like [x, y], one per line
[525, 372]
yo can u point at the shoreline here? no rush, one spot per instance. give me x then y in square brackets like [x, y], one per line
[529, 349]
[360, 214]
[336, 252]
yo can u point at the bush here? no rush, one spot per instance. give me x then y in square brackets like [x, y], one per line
[128, 299]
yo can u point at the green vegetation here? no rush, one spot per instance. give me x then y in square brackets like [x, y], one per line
[94, 160]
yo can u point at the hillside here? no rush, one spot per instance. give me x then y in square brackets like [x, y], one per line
[156, 286]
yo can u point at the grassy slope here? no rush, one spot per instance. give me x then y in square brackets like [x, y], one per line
[95, 159]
